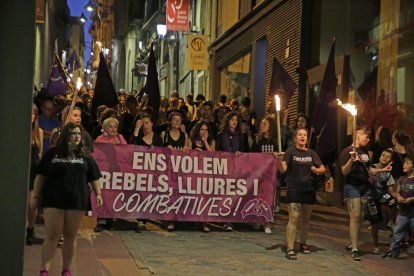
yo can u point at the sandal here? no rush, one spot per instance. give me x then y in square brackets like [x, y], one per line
[304, 249]
[290, 255]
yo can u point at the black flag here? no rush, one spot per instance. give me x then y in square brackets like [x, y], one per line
[104, 93]
[324, 123]
[152, 88]
[281, 83]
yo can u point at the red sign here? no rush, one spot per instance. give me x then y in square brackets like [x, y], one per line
[177, 15]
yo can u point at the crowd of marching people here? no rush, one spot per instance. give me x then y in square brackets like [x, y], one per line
[62, 134]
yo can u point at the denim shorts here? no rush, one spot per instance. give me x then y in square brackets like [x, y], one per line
[356, 192]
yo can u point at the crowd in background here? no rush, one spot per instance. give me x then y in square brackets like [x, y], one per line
[229, 125]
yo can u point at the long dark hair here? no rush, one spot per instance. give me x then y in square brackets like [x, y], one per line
[62, 144]
[224, 126]
[404, 140]
[385, 138]
[195, 132]
[272, 129]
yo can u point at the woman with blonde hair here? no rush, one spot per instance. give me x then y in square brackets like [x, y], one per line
[110, 133]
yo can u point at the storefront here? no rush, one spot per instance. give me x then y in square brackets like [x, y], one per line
[242, 57]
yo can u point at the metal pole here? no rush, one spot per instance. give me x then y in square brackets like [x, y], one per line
[132, 79]
[177, 64]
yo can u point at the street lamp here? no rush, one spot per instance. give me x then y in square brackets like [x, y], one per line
[90, 6]
[161, 30]
[83, 18]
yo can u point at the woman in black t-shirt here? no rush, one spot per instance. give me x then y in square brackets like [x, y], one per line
[300, 165]
[174, 137]
[401, 148]
[62, 181]
[147, 137]
[200, 139]
[355, 168]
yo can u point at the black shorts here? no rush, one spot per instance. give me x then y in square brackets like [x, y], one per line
[293, 196]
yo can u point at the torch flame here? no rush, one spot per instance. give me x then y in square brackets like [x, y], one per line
[79, 83]
[277, 100]
[348, 107]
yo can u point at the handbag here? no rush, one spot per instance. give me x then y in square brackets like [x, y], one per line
[388, 200]
[373, 211]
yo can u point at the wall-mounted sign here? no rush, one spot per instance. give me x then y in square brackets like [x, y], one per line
[40, 11]
[197, 52]
[177, 15]
[141, 69]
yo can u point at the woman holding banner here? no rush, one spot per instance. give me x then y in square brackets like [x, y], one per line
[110, 135]
[62, 181]
[200, 139]
[144, 135]
[147, 137]
[265, 141]
[300, 165]
[231, 139]
[174, 138]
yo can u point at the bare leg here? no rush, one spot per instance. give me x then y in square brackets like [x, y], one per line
[31, 212]
[54, 228]
[305, 217]
[355, 215]
[374, 234]
[73, 219]
[294, 214]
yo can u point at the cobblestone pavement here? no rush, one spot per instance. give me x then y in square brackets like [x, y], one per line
[247, 252]
[236, 253]
[244, 251]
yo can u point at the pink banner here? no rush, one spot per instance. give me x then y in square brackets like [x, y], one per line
[157, 183]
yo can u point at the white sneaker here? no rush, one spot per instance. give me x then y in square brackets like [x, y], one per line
[141, 225]
[228, 227]
[376, 251]
[267, 230]
[276, 210]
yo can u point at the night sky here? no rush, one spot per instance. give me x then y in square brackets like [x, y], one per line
[76, 9]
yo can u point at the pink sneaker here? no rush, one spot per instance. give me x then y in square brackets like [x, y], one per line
[66, 272]
[43, 272]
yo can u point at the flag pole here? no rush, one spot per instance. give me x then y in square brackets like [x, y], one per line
[72, 105]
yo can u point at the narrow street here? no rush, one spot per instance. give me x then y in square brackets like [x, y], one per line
[188, 251]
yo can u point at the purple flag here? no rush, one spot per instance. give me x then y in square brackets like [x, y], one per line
[57, 84]
[324, 121]
[104, 93]
[152, 85]
[281, 83]
[73, 61]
